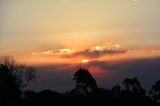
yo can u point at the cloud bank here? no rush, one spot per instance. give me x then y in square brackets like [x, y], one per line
[92, 53]
[89, 53]
[59, 77]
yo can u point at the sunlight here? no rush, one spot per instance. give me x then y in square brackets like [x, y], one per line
[117, 46]
[85, 61]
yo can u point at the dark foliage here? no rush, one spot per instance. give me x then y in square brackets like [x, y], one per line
[9, 89]
[43, 98]
[155, 92]
[12, 78]
[85, 83]
[87, 92]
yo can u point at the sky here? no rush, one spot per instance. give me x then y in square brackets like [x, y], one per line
[50, 33]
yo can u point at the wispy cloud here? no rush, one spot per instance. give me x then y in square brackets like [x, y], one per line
[92, 53]
[95, 52]
[54, 52]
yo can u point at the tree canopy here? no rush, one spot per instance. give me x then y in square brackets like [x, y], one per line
[13, 77]
[84, 81]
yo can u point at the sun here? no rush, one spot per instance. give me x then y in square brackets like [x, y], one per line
[85, 61]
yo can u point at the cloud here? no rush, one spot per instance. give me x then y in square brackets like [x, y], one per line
[146, 70]
[54, 52]
[95, 53]
[92, 53]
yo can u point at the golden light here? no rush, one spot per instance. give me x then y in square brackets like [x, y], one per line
[117, 46]
[85, 61]
[66, 50]
[98, 48]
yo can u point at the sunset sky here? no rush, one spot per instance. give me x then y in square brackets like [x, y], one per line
[81, 33]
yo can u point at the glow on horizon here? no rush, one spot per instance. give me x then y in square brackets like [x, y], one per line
[152, 52]
[85, 61]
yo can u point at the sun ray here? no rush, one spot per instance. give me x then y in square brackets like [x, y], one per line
[85, 61]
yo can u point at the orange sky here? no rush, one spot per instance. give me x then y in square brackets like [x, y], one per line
[32, 30]
[98, 53]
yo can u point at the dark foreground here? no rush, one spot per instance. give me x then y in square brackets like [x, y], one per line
[13, 77]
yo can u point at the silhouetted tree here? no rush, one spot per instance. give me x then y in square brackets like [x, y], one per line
[85, 83]
[13, 76]
[22, 73]
[155, 91]
[9, 89]
[133, 85]
[134, 93]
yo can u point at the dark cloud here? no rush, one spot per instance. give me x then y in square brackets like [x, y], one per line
[59, 77]
[88, 53]
[147, 70]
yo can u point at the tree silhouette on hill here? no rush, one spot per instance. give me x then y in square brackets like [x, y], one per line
[85, 83]
[133, 85]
